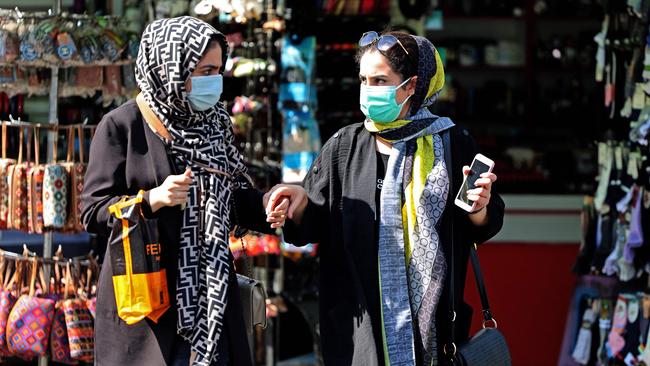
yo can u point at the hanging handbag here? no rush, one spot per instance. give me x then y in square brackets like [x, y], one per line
[35, 178]
[30, 322]
[7, 300]
[139, 280]
[5, 165]
[80, 324]
[59, 343]
[488, 346]
[18, 190]
[55, 193]
[76, 170]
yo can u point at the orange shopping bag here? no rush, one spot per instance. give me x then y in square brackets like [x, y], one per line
[139, 282]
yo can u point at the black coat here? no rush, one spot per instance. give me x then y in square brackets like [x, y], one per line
[126, 156]
[341, 216]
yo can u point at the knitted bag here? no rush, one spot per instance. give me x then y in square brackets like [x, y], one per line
[55, 195]
[7, 301]
[76, 170]
[80, 323]
[35, 178]
[18, 190]
[60, 345]
[30, 322]
[5, 165]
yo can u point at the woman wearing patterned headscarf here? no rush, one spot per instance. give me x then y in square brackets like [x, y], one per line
[176, 142]
[385, 188]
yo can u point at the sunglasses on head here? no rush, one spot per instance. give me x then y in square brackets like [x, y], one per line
[384, 42]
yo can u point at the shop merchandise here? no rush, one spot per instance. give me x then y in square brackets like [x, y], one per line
[40, 319]
[39, 196]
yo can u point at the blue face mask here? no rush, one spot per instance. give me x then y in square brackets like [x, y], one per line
[378, 102]
[206, 91]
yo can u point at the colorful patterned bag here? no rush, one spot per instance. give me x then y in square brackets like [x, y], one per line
[59, 338]
[35, 179]
[5, 165]
[80, 325]
[30, 322]
[55, 195]
[18, 190]
[77, 171]
[7, 300]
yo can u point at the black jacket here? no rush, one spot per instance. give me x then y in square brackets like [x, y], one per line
[126, 156]
[341, 216]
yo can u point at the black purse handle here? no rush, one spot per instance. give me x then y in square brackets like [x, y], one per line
[478, 274]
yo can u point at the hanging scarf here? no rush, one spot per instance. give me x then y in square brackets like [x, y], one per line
[412, 266]
[170, 49]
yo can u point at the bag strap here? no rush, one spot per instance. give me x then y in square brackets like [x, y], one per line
[4, 140]
[21, 137]
[8, 273]
[82, 144]
[37, 148]
[70, 156]
[30, 132]
[32, 278]
[55, 144]
[3, 265]
[150, 117]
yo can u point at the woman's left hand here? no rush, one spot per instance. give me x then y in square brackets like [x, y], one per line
[481, 193]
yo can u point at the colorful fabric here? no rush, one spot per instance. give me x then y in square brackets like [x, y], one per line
[35, 179]
[29, 325]
[413, 199]
[5, 166]
[203, 141]
[80, 324]
[7, 301]
[55, 196]
[76, 172]
[18, 197]
[59, 338]
[91, 304]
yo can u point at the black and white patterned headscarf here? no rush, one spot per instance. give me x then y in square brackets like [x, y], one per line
[169, 52]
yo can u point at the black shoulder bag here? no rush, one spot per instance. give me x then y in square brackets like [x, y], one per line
[488, 346]
[251, 291]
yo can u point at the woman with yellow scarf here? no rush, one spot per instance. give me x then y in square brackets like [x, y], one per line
[380, 201]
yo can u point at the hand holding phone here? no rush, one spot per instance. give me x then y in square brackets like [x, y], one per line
[481, 164]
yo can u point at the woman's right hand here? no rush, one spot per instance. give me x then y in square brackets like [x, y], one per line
[172, 192]
[296, 196]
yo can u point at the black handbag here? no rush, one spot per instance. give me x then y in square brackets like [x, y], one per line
[488, 346]
[252, 294]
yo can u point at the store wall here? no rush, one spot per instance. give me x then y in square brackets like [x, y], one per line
[527, 270]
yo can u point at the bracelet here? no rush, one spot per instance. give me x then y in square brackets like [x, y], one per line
[477, 211]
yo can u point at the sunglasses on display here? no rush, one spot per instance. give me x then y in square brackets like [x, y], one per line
[384, 42]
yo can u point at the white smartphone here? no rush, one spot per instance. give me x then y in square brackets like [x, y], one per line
[481, 164]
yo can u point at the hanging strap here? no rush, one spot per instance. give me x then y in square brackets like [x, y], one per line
[4, 140]
[21, 137]
[55, 144]
[30, 131]
[82, 144]
[70, 157]
[32, 278]
[37, 148]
